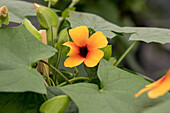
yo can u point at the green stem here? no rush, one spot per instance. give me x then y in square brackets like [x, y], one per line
[58, 58]
[49, 4]
[44, 97]
[73, 80]
[56, 70]
[76, 72]
[0, 22]
[51, 34]
[125, 53]
[73, 3]
[48, 78]
[53, 84]
[39, 27]
[60, 19]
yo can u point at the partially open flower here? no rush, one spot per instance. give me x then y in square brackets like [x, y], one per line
[157, 88]
[84, 49]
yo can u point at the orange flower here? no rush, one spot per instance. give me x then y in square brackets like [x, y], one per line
[84, 49]
[157, 88]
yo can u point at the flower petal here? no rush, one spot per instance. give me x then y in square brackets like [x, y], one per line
[97, 40]
[161, 89]
[142, 91]
[79, 35]
[74, 50]
[93, 57]
[156, 83]
[73, 61]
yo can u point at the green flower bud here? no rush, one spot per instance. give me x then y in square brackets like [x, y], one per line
[32, 29]
[55, 105]
[62, 38]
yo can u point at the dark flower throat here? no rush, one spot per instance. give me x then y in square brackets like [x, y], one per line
[83, 51]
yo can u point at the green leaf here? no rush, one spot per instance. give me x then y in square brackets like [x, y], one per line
[55, 105]
[110, 30]
[147, 34]
[18, 10]
[160, 108]
[95, 22]
[62, 38]
[65, 13]
[107, 52]
[116, 95]
[47, 17]
[20, 102]
[32, 29]
[19, 50]
[91, 72]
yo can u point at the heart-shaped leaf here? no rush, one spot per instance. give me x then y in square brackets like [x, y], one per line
[116, 94]
[19, 49]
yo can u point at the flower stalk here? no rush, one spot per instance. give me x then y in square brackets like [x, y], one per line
[125, 53]
[56, 70]
[73, 80]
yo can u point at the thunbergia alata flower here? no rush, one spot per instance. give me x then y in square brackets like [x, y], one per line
[84, 49]
[157, 88]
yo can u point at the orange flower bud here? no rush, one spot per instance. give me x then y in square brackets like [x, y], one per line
[36, 6]
[3, 11]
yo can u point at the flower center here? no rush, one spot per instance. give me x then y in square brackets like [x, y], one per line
[83, 51]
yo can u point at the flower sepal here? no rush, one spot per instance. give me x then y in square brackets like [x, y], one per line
[107, 52]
